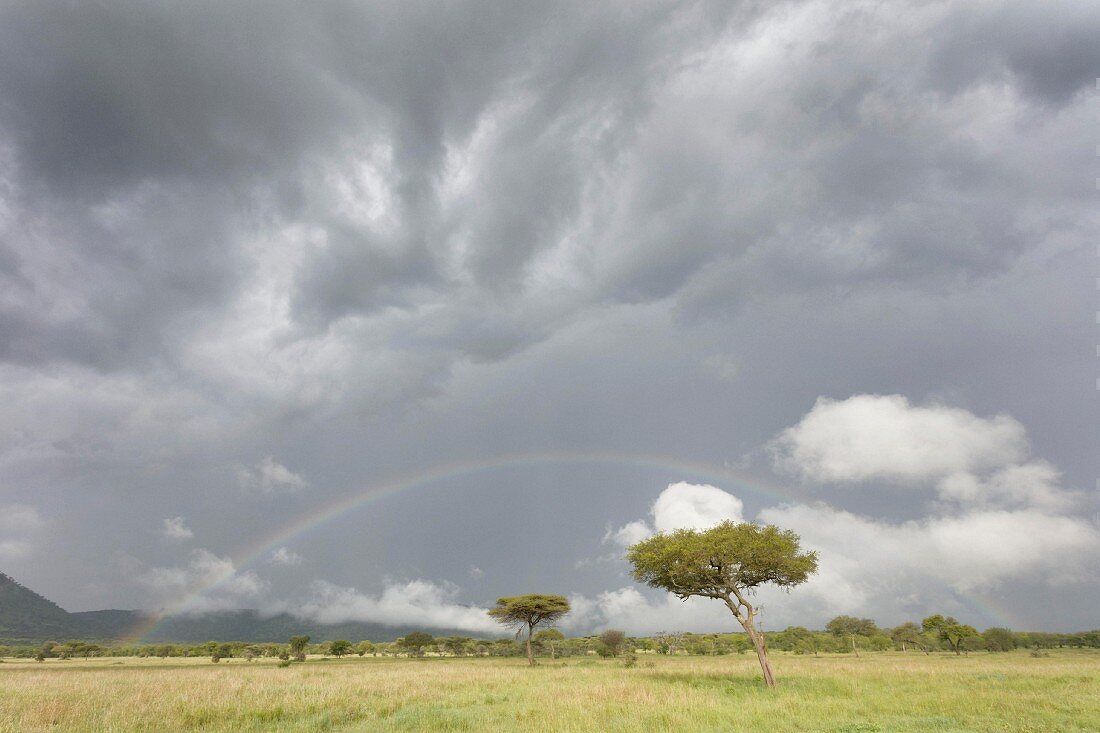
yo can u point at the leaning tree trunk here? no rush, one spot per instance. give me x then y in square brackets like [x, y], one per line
[746, 619]
[761, 653]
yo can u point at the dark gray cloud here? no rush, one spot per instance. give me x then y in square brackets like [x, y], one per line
[353, 241]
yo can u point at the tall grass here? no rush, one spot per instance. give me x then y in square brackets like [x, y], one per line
[876, 692]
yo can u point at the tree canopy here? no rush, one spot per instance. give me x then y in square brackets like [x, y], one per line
[716, 562]
[727, 562]
[529, 611]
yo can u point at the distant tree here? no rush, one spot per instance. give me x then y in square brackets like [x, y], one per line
[298, 647]
[999, 639]
[364, 647]
[457, 645]
[529, 611]
[613, 639]
[908, 634]
[799, 640]
[951, 631]
[728, 563]
[668, 642]
[550, 637]
[415, 642]
[851, 627]
[339, 648]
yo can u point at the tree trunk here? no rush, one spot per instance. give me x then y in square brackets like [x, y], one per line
[553, 654]
[530, 654]
[761, 653]
[757, 637]
[855, 649]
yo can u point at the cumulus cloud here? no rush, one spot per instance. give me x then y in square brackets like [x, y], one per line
[285, 556]
[174, 529]
[681, 505]
[884, 437]
[20, 525]
[420, 603]
[270, 477]
[967, 460]
[629, 609]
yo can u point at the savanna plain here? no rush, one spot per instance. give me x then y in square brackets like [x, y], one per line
[889, 691]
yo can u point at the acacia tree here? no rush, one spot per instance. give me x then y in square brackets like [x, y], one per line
[613, 639]
[550, 637]
[415, 642]
[949, 630]
[908, 634]
[728, 563]
[529, 611]
[339, 647]
[852, 627]
[298, 647]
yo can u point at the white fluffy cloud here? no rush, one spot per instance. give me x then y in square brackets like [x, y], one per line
[681, 505]
[19, 525]
[174, 528]
[884, 437]
[969, 461]
[270, 477]
[412, 603]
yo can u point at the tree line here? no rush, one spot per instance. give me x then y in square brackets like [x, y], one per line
[727, 563]
[836, 638]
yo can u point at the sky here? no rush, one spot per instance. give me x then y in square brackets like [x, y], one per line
[380, 311]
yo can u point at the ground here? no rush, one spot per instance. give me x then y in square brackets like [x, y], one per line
[875, 692]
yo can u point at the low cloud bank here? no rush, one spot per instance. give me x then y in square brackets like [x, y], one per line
[420, 603]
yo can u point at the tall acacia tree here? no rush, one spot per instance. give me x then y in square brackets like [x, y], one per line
[728, 563]
[530, 612]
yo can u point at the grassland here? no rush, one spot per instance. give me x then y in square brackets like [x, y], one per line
[876, 692]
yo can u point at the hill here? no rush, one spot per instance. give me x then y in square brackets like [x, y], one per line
[28, 618]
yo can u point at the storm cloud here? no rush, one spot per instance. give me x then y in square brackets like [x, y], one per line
[256, 258]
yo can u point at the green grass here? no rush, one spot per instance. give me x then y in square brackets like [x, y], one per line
[874, 693]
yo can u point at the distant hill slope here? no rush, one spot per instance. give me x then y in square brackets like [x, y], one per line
[28, 618]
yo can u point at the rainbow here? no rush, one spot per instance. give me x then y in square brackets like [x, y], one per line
[253, 553]
[725, 476]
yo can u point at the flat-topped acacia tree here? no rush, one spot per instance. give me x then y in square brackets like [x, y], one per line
[529, 611]
[727, 562]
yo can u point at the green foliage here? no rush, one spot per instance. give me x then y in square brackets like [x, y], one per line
[715, 562]
[339, 648]
[613, 639]
[951, 631]
[999, 639]
[852, 626]
[531, 610]
[415, 642]
[298, 647]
